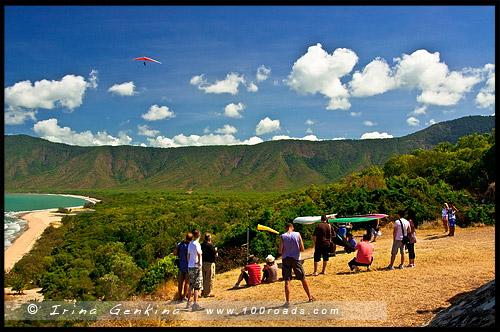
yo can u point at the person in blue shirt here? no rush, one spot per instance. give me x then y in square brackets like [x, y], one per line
[183, 278]
[351, 240]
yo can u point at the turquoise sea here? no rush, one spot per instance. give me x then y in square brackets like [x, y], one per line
[18, 204]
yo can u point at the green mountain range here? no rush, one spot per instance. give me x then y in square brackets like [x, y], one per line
[34, 164]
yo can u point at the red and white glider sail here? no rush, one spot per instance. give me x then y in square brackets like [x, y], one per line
[147, 59]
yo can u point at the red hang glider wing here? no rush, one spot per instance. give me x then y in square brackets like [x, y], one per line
[147, 59]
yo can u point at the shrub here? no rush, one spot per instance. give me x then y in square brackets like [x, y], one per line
[158, 273]
[63, 210]
[484, 214]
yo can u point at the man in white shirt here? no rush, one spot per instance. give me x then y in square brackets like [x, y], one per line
[397, 235]
[194, 270]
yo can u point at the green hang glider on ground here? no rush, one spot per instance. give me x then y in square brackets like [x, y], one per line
[356, 218]
[339, 239]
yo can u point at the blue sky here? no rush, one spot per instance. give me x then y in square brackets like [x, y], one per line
[243, 75]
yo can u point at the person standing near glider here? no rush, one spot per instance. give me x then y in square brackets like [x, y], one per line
[444, 216]
[412, 218]
[372, 228]
[183, 277]
[194, 270]
[321, 237]
[452, 218]
[290, 247]
[397, 236]
[208, 256]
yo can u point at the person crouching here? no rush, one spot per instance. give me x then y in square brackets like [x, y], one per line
[364, 255]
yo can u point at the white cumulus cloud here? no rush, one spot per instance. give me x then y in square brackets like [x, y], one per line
[486, 96]
[438, 85]
[228, 85]
[252, 87]
[263, 73]
[51, 131]
[23, 99]
[267, 125]
[233, 110]
[123, 89]
[412, 121]
[197, 140]
[285, 137]
[376, 78]
[17, 116]
[419, 110]
[93, 79]
[68, 92]
[375, 135]
[145, 131]
[320, 72]
[156, 113]
[227, 129]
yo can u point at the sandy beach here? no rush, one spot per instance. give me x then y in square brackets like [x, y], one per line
[37, 222]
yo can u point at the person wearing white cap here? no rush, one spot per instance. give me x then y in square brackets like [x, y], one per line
[270, 270]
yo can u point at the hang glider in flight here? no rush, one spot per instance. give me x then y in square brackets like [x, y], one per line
[147, 59]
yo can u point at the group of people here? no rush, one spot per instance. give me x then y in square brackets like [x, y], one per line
[403, 228]
[448, 216]
[197, 261]
[291, 245]
[196, 267]
[252, 273]
[322, 238]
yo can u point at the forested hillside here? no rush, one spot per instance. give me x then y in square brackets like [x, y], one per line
[125, 247]
[33, 164]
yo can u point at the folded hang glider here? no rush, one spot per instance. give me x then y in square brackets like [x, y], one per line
[313, 219]
[339, 238]
[147, 59]
[332, 218]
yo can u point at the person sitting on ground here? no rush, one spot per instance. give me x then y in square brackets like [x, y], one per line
[364, 255]
[270, 270]
[351, 240]
[253, 277]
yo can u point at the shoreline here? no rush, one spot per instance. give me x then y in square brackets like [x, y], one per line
[38, 221]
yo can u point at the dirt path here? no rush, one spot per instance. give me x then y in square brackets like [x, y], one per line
[446, 269]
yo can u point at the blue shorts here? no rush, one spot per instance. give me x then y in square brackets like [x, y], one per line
[451, 222]
[342, 231]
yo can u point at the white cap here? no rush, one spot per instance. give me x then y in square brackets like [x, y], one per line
[270, 258]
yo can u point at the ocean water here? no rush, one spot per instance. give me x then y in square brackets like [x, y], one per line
[18, 204]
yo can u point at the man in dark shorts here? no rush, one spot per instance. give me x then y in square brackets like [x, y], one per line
[290, 247]
[321, 237]
[372, 228]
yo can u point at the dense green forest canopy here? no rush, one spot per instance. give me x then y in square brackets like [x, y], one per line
[125, 247]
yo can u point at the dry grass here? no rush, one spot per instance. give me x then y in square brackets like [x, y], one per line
[446, 268]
